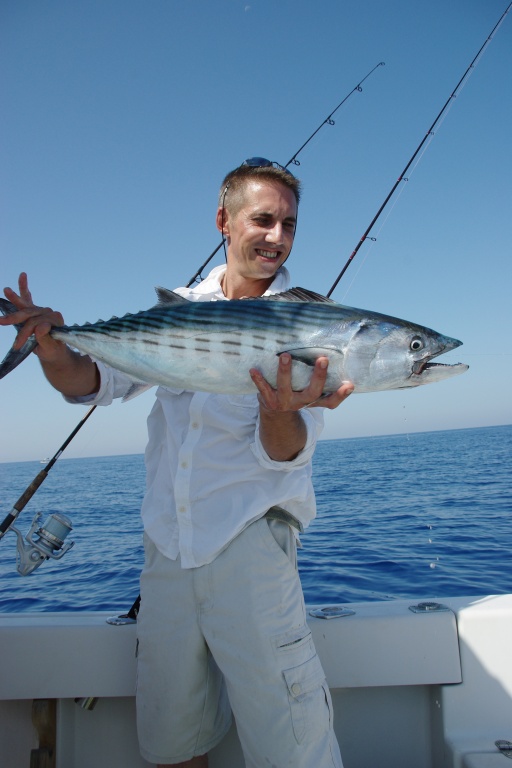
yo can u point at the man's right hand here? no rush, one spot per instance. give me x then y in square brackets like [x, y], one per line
[71, 373]
[34, 320]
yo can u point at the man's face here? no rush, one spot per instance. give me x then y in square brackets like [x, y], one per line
[260, 235]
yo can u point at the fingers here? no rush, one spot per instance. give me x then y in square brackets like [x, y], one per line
[24, 298]
[32, 319]
[25, 294]
[266, 394]
[283, 398]
[314, 392]
[316, 385]
[336, 398]
[285, 395]
[40, 322]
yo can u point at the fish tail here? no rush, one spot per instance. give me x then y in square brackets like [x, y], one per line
[14, 356]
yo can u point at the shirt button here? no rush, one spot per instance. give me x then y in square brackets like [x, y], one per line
[295, 689]
[194, 425]
[182, 508]
[184, 464]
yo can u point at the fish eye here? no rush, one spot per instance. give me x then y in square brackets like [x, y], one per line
[416, 344]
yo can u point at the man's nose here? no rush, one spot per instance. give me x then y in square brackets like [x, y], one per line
[275, 234]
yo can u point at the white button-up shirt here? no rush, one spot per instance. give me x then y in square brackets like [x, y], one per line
[208, 475]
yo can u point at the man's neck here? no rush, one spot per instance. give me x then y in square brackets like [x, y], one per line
[241, 288]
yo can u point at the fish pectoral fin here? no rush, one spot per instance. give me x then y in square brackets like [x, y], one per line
[309, 355]
[166, 297]
[137, 388]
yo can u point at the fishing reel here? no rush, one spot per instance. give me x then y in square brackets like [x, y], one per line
[42, 542]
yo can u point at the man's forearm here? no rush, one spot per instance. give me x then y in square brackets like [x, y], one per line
[283, 434]
[73, 375]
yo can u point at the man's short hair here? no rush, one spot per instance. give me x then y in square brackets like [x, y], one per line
[232, 189]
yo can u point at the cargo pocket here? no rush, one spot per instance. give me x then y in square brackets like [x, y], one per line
[310, 699]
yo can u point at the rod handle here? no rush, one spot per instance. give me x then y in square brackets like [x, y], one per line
[23, 501]
[30, 490]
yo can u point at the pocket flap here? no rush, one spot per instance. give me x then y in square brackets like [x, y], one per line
[304, 678]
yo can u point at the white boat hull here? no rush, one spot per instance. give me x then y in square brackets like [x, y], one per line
[410, 690]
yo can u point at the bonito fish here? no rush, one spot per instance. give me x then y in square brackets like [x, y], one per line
[210, 346]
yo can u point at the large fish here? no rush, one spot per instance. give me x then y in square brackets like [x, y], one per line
[210, 346]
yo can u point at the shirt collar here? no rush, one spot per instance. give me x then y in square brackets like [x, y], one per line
[210, 287]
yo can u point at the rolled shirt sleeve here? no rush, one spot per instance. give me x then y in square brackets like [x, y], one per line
[113, 384]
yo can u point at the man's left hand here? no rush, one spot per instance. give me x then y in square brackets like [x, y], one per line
[284, 398]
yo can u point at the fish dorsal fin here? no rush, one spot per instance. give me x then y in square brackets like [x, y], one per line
[166, 297]
[301, 295]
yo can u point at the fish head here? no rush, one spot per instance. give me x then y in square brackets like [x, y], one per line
[423, 370]
[387, 353]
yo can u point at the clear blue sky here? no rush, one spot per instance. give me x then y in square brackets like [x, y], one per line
[120, 118]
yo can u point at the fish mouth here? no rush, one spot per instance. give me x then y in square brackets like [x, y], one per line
[423, 365]
[424, 371]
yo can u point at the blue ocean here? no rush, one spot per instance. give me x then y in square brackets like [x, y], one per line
[421, 515]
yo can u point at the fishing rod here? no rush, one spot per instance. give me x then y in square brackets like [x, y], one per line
[292, 161]
[429, 133]
[53, 532]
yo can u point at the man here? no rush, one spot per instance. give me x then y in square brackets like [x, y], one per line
[222, 625]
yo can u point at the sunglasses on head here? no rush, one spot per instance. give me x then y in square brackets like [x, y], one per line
[262, 162]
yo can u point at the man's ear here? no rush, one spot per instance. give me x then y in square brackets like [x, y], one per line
[222, 221]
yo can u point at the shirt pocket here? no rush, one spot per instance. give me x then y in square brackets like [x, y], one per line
[309, 698]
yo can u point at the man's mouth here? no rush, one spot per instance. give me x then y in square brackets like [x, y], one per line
[268, 254]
